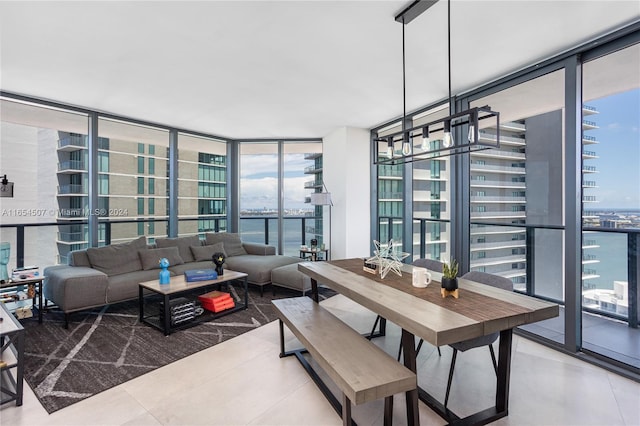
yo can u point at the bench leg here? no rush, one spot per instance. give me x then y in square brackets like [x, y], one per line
[281, 326]
[388, 411]
[346, 411]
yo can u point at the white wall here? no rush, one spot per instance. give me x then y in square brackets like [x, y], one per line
[346, 168]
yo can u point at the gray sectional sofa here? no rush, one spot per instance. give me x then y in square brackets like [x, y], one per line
[98, 276]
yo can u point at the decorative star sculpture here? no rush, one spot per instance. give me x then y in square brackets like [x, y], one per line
[387, 257]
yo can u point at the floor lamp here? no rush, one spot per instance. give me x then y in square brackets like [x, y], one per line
[323, 199]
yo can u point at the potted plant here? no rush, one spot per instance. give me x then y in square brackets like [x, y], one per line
[450, 275]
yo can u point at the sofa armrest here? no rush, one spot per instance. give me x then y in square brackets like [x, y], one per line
[259, 249]
[74, 287]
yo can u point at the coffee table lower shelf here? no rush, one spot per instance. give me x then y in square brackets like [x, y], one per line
[178, 287]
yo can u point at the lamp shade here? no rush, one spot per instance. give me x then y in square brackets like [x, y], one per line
[321, 199]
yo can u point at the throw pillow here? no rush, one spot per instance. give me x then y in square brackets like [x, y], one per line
[232, 244]
[202, 253]
[117, 258]
[150, 258]
[182, 243]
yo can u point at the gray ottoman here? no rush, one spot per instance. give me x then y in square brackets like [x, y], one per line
[288, 276]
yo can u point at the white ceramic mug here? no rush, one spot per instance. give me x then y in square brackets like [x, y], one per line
[421, 277]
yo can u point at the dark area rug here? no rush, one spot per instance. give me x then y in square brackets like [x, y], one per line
[107, 346]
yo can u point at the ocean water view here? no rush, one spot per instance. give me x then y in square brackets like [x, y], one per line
[611, 254]
[253, 230]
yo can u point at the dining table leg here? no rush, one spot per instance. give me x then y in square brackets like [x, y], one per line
[504, 371]
[409, 350]
[314, 290]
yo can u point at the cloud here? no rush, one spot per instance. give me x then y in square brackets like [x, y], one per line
[262, 193]
[252, 165]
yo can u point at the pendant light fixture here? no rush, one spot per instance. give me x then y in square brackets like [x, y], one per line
[447, 125]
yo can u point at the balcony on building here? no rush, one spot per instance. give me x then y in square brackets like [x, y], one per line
[485, 136]
[72, 143]
[312, 156]
[385, 172]
[72, 238]
[498, 245]
[491, 168]
[589, 140]
[589, 110]
[500, 184]
[498, 215]
[72, 166]
[426, 175]
[589, 169]
[313, 184]
[501, 260]
[498, 199]
[495, 230]
[72, 190]
[500, 154]
[390, 196]
[309, 170]
[589, 125]
[589, 155]
[589, 184]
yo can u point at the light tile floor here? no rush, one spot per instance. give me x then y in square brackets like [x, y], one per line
[244, 382]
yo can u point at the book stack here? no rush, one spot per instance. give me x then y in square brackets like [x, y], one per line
[216, 301]
[200, 275]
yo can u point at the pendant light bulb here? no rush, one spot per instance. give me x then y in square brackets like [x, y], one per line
[447, 140]
[406, 147]
[473, 119]
[390, 148]
[425, 139]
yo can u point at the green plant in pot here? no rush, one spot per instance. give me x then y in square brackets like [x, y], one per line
[450, 275]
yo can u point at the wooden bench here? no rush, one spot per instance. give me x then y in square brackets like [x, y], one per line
[361, 370]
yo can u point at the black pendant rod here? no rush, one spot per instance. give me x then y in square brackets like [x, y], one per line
[404, 84]
[449, 53]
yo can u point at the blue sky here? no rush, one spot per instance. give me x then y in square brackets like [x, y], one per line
[619, 151]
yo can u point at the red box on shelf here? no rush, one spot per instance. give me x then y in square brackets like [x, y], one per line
[216, 301]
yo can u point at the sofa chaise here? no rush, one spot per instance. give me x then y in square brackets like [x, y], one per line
[110, 274]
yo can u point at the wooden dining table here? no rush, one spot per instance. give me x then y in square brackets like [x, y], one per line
[423, 312]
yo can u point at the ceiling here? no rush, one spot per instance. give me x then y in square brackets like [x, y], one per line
[270, 69]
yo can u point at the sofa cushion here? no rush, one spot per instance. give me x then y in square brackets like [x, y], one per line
[79, 258]
[258, 268]
[150, 258]
[125, 286]
[182, 243]
[232, 244]
[202, 253]
[117, 258]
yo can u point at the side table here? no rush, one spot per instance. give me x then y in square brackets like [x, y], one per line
[36, 283]
[313, 254]
[11, 357]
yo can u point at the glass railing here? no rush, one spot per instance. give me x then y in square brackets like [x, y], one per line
[612, 286]
[297, 231]
[71, 165]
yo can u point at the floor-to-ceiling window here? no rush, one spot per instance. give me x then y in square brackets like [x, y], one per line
[43, 151]
[259, 201]
[134, 176]
[202, 185]
[276, 179]
[611, 201]
[302, 175]
[516, 192]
